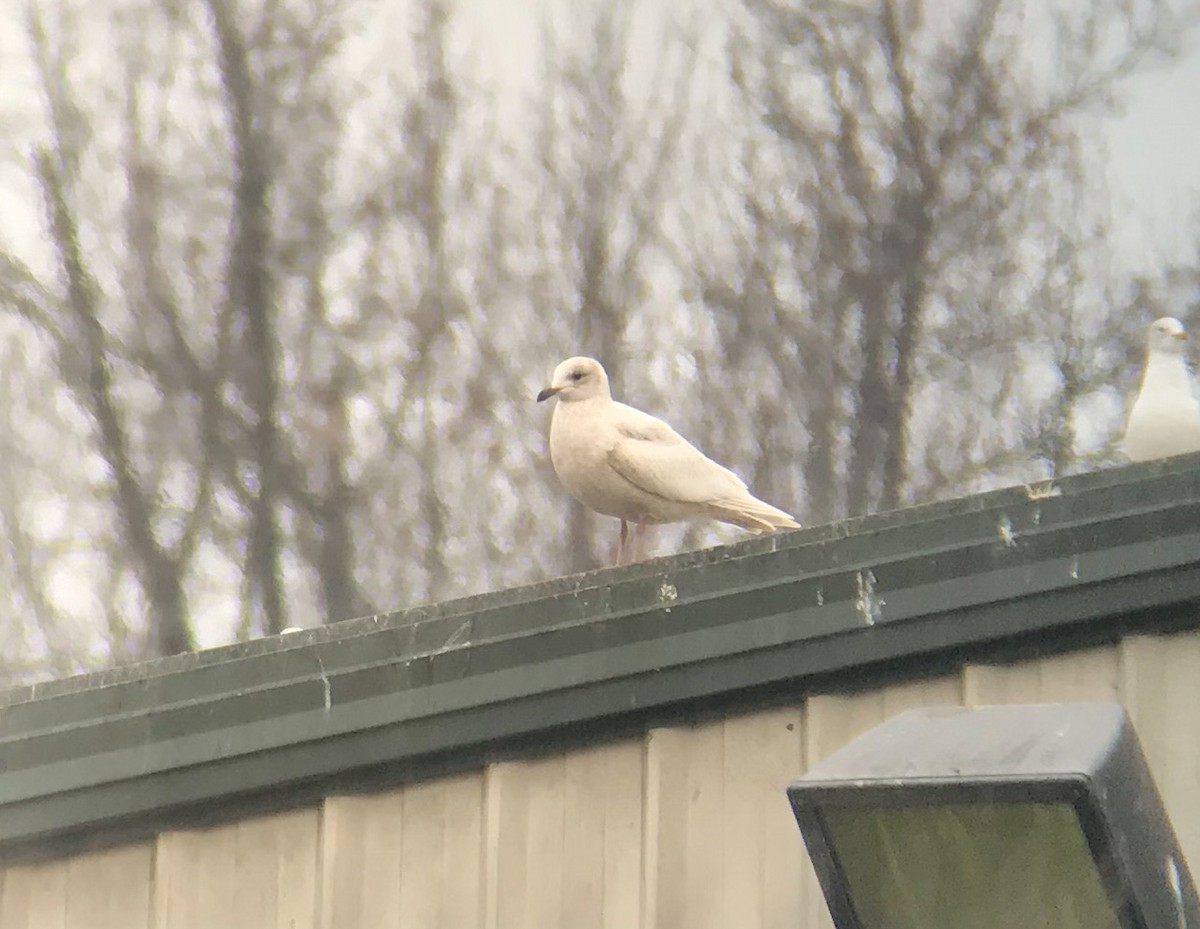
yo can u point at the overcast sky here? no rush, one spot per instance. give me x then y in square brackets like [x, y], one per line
[1154, 143]
[1154, 166]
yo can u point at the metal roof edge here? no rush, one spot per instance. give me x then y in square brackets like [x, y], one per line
[134, 750]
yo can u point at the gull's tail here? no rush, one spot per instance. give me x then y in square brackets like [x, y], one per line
[751, 513]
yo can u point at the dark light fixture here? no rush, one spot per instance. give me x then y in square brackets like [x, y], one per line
[1000, 817]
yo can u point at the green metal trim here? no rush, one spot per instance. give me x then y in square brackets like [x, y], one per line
[388, 698]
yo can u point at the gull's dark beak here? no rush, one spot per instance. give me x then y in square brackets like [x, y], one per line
[547, 393]
[1181, 336]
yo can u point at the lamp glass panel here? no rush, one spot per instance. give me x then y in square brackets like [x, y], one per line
[986, 866]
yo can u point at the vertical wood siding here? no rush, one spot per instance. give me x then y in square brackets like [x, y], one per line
[102, 890]
[685, 828]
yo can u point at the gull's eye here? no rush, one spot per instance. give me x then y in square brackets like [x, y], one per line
[576, 375]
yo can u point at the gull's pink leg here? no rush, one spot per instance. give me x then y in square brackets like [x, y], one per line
[621, 542]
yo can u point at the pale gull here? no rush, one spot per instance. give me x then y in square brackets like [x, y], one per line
[1165, 419]
[625, 463]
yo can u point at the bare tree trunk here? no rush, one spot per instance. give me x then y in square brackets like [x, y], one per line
[432, 509]
[820, 380]
[434, 115]
[340, 592]
[601, 329]
[873, 396]
[601, 325]
[915, 231]
[250, 290]
[895, 459]
[157, 571]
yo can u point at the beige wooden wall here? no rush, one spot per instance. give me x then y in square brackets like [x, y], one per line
[686, 828]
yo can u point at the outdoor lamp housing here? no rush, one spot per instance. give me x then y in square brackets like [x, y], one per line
[995, 818]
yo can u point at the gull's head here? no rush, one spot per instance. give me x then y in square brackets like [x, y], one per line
[577, 379]
[1167, 335]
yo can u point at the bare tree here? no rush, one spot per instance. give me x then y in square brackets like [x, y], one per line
[606, 157]
[177, 359]
[300, 281]
[926, 170]
[83, 334]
